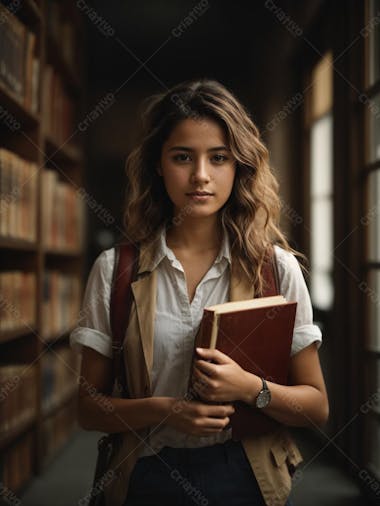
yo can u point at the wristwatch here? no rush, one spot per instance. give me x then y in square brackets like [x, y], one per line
[264, 396]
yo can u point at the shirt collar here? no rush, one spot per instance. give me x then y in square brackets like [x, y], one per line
[163, 250]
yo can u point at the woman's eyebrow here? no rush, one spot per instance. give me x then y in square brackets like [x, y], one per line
[185, 148]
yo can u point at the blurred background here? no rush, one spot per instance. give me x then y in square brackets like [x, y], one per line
[73, 76]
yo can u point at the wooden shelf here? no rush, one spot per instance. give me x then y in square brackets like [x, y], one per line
[10, 243]
[12, 335]
[22, 117]
[62, 253]
[29, 137]
[66, 153]
[58, 337]
[8, 438]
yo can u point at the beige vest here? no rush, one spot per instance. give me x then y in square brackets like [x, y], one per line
[268, 455]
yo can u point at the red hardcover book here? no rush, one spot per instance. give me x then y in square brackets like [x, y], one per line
[257, 334]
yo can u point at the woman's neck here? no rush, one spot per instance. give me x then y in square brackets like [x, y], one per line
[200, 238]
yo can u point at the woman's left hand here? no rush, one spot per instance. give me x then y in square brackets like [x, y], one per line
[223, 381]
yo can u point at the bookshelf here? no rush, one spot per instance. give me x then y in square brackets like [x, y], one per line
[42, 227]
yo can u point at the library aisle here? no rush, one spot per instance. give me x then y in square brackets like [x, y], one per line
[74, 79]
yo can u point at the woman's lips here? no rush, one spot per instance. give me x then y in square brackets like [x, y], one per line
[199, 198]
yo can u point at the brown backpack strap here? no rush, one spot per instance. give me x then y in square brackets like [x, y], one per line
[124, 272]
[270, 274]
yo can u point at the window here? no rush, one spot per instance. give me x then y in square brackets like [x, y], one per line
[374, 128]
[372, 28]
[370, 99]
[320, 126]
[372, 217]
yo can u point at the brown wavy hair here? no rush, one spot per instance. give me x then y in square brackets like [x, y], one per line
[252, 212]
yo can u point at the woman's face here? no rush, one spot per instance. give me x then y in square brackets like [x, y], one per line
[196, 157]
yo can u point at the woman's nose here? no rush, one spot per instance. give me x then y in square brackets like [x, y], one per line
[200, 170]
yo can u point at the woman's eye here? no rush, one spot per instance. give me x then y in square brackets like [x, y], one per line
[219, 158]
[182, 157]
[185, 157]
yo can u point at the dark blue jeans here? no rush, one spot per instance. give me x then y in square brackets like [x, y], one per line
[218, 475]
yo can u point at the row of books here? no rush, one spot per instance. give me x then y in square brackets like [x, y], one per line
[36, 43]
[62, 213]
[19, 65]
[16, 462]
[63, 209]
[60, 370]
[58, 107]
[18, 406]
[57, 428]
[60, 303]
[17, 300]
[18, 396]
[16, 467]
[18, 196]
[61, 29]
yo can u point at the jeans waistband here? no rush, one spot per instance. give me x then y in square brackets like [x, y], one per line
[200, 454]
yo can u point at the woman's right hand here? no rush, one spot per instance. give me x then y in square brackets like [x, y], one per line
[198, 418]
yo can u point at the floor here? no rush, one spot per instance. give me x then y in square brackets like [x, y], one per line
[320, 482]
[68, 478]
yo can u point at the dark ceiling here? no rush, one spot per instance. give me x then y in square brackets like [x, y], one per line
[229, 40]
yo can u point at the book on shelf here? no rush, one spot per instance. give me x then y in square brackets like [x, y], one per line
[60, 372]
[17, 300]
[16, 466]
[18, 196]
[58, 107]
[257, 334]
[62, 32]
[18, 396]
[60, 303]
[19, 65]
[62, 214]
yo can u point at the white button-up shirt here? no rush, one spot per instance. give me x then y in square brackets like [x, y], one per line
[177, 322]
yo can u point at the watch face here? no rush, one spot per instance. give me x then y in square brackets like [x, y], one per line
[263, 399]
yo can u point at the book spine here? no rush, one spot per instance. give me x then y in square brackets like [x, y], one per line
[203, 337]
[202, 340]
[214, 330]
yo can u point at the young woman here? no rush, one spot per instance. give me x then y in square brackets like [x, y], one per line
[203, 206]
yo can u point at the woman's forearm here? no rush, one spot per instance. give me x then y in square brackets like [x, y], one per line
[109, 414]
[298, 405]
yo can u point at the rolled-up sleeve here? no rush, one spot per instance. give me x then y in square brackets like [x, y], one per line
[294, 288]
[93, 327]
